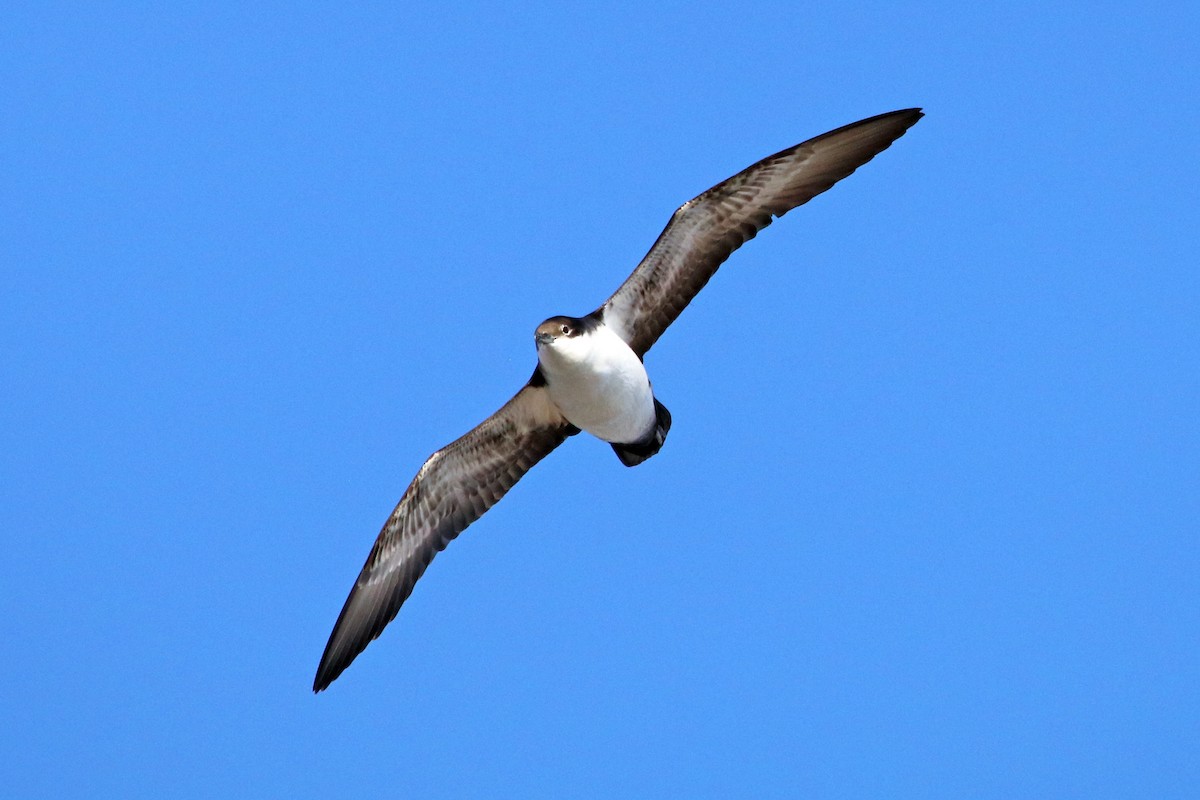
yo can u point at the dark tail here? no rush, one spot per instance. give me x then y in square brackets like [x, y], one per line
[633, 454]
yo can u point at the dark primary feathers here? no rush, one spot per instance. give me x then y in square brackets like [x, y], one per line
[454, 488]
[704, 231]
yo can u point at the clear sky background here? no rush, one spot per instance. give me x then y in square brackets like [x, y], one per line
[927, 523]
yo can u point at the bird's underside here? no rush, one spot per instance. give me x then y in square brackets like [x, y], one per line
[460, 482]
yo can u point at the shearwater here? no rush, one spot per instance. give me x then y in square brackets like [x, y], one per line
[590, 374]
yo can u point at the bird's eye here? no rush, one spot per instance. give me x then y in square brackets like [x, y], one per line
[566, 329]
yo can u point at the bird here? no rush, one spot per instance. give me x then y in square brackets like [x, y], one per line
[590, 375]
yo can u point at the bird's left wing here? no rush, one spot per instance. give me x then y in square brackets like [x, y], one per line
[454, 488]
[705, 230]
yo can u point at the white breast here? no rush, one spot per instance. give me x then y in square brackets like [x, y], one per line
[600, 385]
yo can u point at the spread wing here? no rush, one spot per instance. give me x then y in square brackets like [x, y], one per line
[704, 231]
[456, 485]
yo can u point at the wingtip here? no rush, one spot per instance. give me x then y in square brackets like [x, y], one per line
[328, 671]
[891, 124]
[323, 679]
[909, 115]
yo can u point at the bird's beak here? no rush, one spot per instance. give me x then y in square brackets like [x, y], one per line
[543, 338]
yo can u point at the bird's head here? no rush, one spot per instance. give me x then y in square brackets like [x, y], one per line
[550, 332]
[562, 339]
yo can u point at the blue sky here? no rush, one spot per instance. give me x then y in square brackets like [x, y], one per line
[926, 524]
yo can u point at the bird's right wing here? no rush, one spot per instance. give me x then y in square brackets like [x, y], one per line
[454, 488]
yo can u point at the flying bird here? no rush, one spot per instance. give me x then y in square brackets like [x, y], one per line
[590, 374]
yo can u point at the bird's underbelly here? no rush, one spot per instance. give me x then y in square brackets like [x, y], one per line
[613, 402]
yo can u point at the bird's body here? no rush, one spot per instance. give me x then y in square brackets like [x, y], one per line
[598, 383]
[590, 374]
